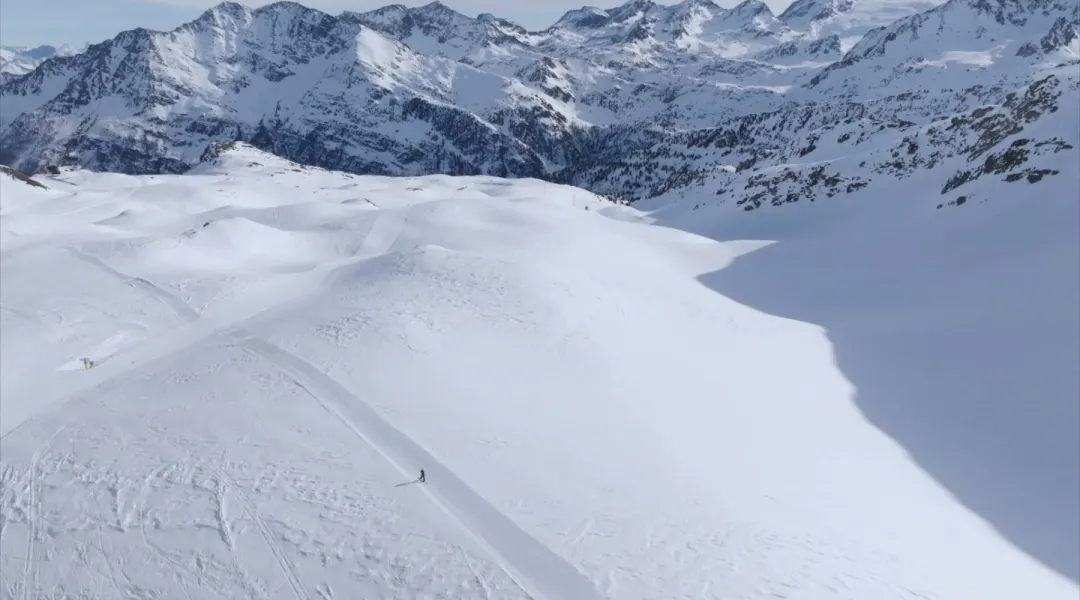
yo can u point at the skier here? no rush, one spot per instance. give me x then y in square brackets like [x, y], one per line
[422, 478]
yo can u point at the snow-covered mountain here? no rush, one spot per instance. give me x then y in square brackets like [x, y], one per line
[849, 19]
[636, 101]
[856, 380]
[20, 60]
[962, 48]
[854, 400]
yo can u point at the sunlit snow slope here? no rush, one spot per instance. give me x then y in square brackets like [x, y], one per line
[279, 350]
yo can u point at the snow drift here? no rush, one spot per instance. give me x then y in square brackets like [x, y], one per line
[278, 351]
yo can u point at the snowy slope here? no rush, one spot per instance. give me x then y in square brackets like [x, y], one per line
[278, 350]
[971, 233]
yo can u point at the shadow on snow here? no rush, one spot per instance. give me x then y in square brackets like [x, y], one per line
[965, 353]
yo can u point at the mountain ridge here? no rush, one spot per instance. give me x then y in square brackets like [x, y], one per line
[614, 100]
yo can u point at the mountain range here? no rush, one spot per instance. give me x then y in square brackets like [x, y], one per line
[641, 101]
[20, 60]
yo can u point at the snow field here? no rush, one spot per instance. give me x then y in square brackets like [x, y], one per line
[594, 421]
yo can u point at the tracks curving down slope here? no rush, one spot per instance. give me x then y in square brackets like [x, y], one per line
[538, 570]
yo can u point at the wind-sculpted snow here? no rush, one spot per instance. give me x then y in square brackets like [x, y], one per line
[275, 351]
[860, 383]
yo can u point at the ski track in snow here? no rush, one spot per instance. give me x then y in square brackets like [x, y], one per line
[383, 234]
[286, 566]
[21, 314]
[178, 306]
[534, 567]
[35, 515]
[537, 569]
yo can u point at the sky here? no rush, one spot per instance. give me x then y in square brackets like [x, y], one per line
[76, 22]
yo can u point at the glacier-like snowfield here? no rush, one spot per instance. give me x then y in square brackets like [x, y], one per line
[604, 407]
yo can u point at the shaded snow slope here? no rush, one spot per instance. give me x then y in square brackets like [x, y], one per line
[278, 351]
[950, 296]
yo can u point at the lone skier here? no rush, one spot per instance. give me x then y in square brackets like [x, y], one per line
[423, 479]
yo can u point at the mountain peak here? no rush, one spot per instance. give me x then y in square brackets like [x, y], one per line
[752, 7]
[631, 9]
[696, 3]
[222, 13]
[437, 7]
[226, 8]
[393, 15]
[692, 7]
[284, 6]
[806, 11]
[584, 17]
[232, 15]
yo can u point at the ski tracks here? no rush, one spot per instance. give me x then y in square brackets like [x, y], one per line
[286, 566]
[34, 513]
[541, 573]
[181, 308]
[384, 232]
[380, 238]
[534, 567]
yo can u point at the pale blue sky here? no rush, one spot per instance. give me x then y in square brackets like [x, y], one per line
[75, 22]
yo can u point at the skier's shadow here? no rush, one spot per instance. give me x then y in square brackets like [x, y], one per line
[407, 483]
